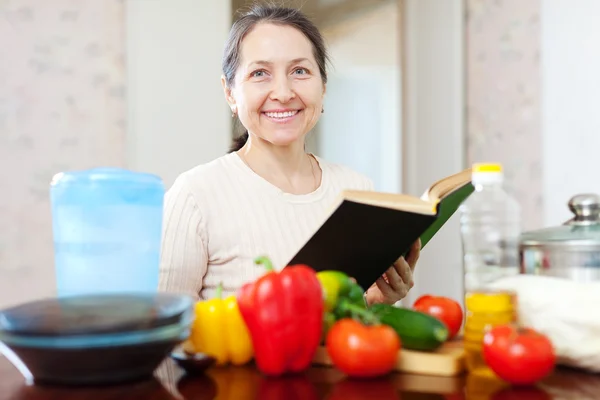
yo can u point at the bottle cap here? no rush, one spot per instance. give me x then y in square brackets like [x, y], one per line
[483, 173]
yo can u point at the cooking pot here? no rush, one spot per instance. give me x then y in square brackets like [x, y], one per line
[571, 250]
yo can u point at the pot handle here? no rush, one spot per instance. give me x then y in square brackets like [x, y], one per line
[586, 208]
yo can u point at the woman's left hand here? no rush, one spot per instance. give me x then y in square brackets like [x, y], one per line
[397, 281]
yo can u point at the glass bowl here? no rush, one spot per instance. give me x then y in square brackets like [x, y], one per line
[94, 339]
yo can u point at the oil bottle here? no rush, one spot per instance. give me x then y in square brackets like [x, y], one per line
[490, 228]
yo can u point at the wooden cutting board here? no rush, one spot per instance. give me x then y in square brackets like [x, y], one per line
[448, 360]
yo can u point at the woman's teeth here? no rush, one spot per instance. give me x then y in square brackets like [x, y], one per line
[281, 114]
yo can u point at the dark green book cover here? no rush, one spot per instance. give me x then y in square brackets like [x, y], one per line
[445, 209]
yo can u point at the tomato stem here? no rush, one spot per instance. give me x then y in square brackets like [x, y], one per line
[358, 312]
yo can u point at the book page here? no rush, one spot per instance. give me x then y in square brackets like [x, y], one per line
[391, 200]
[446, 186]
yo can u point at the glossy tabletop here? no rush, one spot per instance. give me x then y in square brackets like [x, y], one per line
[317, 383]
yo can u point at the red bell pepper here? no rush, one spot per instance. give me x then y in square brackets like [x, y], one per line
[284, 315]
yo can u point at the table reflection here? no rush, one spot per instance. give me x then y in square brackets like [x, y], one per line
[247, 382]
[329, 384]
[316, 383]
[148, 390]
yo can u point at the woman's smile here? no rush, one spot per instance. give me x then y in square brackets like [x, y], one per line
[282, 116]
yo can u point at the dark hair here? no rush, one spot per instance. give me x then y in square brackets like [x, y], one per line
[276, 15]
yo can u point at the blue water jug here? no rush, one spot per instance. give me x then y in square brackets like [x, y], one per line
[107, 228]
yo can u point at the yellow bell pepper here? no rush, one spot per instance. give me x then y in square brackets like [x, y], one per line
[220, 331]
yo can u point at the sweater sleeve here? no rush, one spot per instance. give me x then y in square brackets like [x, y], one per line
[184, 254]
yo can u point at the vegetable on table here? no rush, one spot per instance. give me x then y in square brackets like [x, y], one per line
[219, 331]
[417, 330]
[284, 315]
[336, 286]
[520, 356]
[356, 296]
[360, 346]
[329, 320]
[443, 308]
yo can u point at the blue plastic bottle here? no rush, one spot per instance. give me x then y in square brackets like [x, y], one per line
[107, 228]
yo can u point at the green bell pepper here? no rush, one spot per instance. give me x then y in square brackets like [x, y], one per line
[337, 285]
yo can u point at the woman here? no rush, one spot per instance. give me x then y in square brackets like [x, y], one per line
[268, 194]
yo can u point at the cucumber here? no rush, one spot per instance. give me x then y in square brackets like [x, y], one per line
[417, 330]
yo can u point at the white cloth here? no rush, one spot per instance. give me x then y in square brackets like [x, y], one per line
[566, 311]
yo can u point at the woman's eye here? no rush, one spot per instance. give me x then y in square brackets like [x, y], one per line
[258, 74]
[301, 71]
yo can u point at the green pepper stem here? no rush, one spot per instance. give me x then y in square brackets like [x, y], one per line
[367, 316]
[219, 292]
[265, 261]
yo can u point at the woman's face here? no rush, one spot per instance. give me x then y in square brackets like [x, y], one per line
[278, 91]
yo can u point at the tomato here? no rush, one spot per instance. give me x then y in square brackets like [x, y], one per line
[445, 309]
[519, 356]
[422, 299]
[360, 350]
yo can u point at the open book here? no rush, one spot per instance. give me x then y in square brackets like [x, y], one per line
[366, 232]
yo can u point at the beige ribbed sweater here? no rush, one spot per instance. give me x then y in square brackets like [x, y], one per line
[220, 216]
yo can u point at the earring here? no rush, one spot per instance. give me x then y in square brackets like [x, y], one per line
[233, 112]
[322, 110]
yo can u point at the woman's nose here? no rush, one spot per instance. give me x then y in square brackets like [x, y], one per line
[282, 90]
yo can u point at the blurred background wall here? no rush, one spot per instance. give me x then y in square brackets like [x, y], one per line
[63, 105]
[418, 89]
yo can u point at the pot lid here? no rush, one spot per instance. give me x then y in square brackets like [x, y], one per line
[581, 230]
[95, 314]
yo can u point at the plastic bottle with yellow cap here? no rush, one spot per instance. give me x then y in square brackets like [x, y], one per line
[490, 223]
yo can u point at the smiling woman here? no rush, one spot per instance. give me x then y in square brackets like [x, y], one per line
[267, 196]
[278, 97]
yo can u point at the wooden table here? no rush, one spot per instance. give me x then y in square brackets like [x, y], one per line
[317, 383]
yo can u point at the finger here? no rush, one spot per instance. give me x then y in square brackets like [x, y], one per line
[405, 272]
[399, 287]
[394, 277]
[384, 287]
[413, 254]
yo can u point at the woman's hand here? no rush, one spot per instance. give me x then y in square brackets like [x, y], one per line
[397, 281]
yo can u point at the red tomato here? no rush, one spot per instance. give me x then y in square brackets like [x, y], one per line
[445, 309]
[362, 350]
[520, 356]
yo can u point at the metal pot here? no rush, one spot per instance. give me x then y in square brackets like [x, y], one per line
[571, 250]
